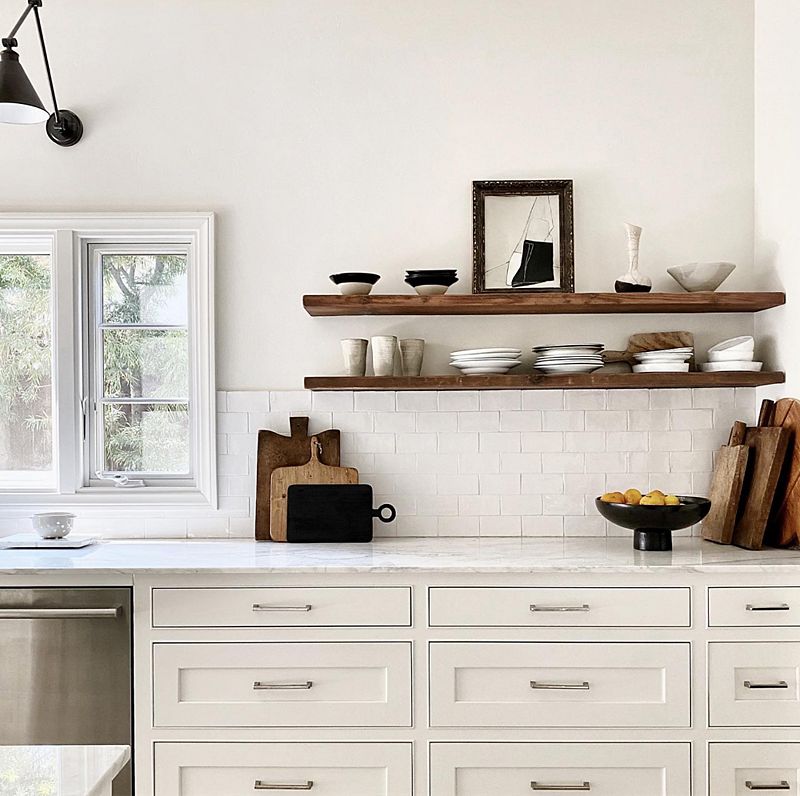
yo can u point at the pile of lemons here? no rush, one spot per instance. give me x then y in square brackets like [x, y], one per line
[633, 497]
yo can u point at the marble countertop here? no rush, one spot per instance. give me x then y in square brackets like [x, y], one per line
[60, 770]
[392, 555]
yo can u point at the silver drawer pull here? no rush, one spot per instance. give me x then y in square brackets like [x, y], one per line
[267, 607]
[776, 684]
[776, 607]
[782, 785]
[559, 609]
[59, 613]
[259, 685]
[584, 686]
[545, 786]
[260, 785]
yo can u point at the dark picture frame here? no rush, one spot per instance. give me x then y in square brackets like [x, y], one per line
[535, 252]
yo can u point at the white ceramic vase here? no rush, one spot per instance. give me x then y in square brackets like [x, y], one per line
[633, 281]
[354, 352]
[384, 349]
[411, 354]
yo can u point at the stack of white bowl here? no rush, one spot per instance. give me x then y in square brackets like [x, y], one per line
[668, 360]
[486, 361]
[735, 354]
[574, 358]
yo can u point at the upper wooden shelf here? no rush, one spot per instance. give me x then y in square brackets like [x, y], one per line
[541, 303]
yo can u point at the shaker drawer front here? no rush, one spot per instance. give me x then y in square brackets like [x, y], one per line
[602, 769]
[234, 769]
[754, 684]
[283, 607]
[282, 685]
[754, 607]
[743, 769]
[558, 607]
[532, 684]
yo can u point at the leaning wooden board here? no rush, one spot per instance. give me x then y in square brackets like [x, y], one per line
[785, 528]
[314, 472]
[649, 341]
[276, 450]
[727, 482]
[768, 446]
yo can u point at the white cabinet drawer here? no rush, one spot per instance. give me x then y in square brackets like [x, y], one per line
[283, 607]
[558, 607]
[754, 607]
[744, 769]
[602, 769]
[532, 684]
[754, 684]
[243, 769]
[282, 684]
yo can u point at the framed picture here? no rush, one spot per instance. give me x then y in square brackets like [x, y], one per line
[522, 238]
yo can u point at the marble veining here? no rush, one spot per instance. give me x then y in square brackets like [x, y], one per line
[393, 555]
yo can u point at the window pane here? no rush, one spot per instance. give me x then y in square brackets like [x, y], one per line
[145, 288]
[146, 438]
[26, 399]
[145, 363]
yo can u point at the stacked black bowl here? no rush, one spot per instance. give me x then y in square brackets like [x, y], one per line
[432, 282]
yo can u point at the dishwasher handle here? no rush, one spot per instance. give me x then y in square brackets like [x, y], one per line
[60, 613]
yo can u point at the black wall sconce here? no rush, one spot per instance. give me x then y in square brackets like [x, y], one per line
[19, 102]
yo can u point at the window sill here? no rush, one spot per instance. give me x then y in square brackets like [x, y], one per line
[144, 499]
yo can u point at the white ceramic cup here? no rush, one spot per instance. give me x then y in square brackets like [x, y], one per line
[384, 348]
[354, 351]
[53, 524]
[411, 354]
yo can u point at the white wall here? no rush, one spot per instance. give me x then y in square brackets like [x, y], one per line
[344, 134]
[777, 159]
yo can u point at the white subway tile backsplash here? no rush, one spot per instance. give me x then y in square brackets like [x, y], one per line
[500, 400]
[472, 462]
[459, 401]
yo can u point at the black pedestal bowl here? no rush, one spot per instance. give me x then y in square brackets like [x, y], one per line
[652, 526]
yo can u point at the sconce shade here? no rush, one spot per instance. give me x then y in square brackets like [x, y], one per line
[19, 102]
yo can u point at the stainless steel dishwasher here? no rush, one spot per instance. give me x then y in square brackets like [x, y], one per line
[65, 668]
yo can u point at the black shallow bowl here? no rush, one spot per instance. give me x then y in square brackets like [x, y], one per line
[416, 281]
[354, 276]
[653, 525]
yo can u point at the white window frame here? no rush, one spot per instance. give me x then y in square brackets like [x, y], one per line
[73, 235]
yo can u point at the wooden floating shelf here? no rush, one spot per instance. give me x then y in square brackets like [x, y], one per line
[541, 303]
[539, 381]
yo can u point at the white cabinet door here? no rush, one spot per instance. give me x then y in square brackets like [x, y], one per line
[244, 769]
[533, 684]
[283, 607]
[269, 684]
[754, 684]
[522, 769]
[558, 607]
[754, 607]
[744, 769]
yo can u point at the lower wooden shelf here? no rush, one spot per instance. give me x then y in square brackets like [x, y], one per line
[539, 381]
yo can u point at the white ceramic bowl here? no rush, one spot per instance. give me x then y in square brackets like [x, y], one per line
[53, 524]
[721, 367]
[431, 290]
[739, 355]
[662, 367]
[743, 343]
[696, 277]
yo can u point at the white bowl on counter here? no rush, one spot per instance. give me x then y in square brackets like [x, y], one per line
[698, 277]
[53, 524]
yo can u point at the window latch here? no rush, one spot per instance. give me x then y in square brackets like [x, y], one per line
[122, 481]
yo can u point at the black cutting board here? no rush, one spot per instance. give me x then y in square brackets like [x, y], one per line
[332, 513]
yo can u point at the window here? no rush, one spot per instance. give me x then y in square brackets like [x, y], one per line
[106, 357]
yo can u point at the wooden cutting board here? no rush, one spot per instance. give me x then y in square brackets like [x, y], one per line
[768, 447]
[727, 482]
[314, 472]
[649, 341]
[784, 529]
[276, 450]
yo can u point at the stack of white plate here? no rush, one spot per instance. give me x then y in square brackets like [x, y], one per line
[486, 361]
[735, 354]
[669, 360]
[577, 358]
